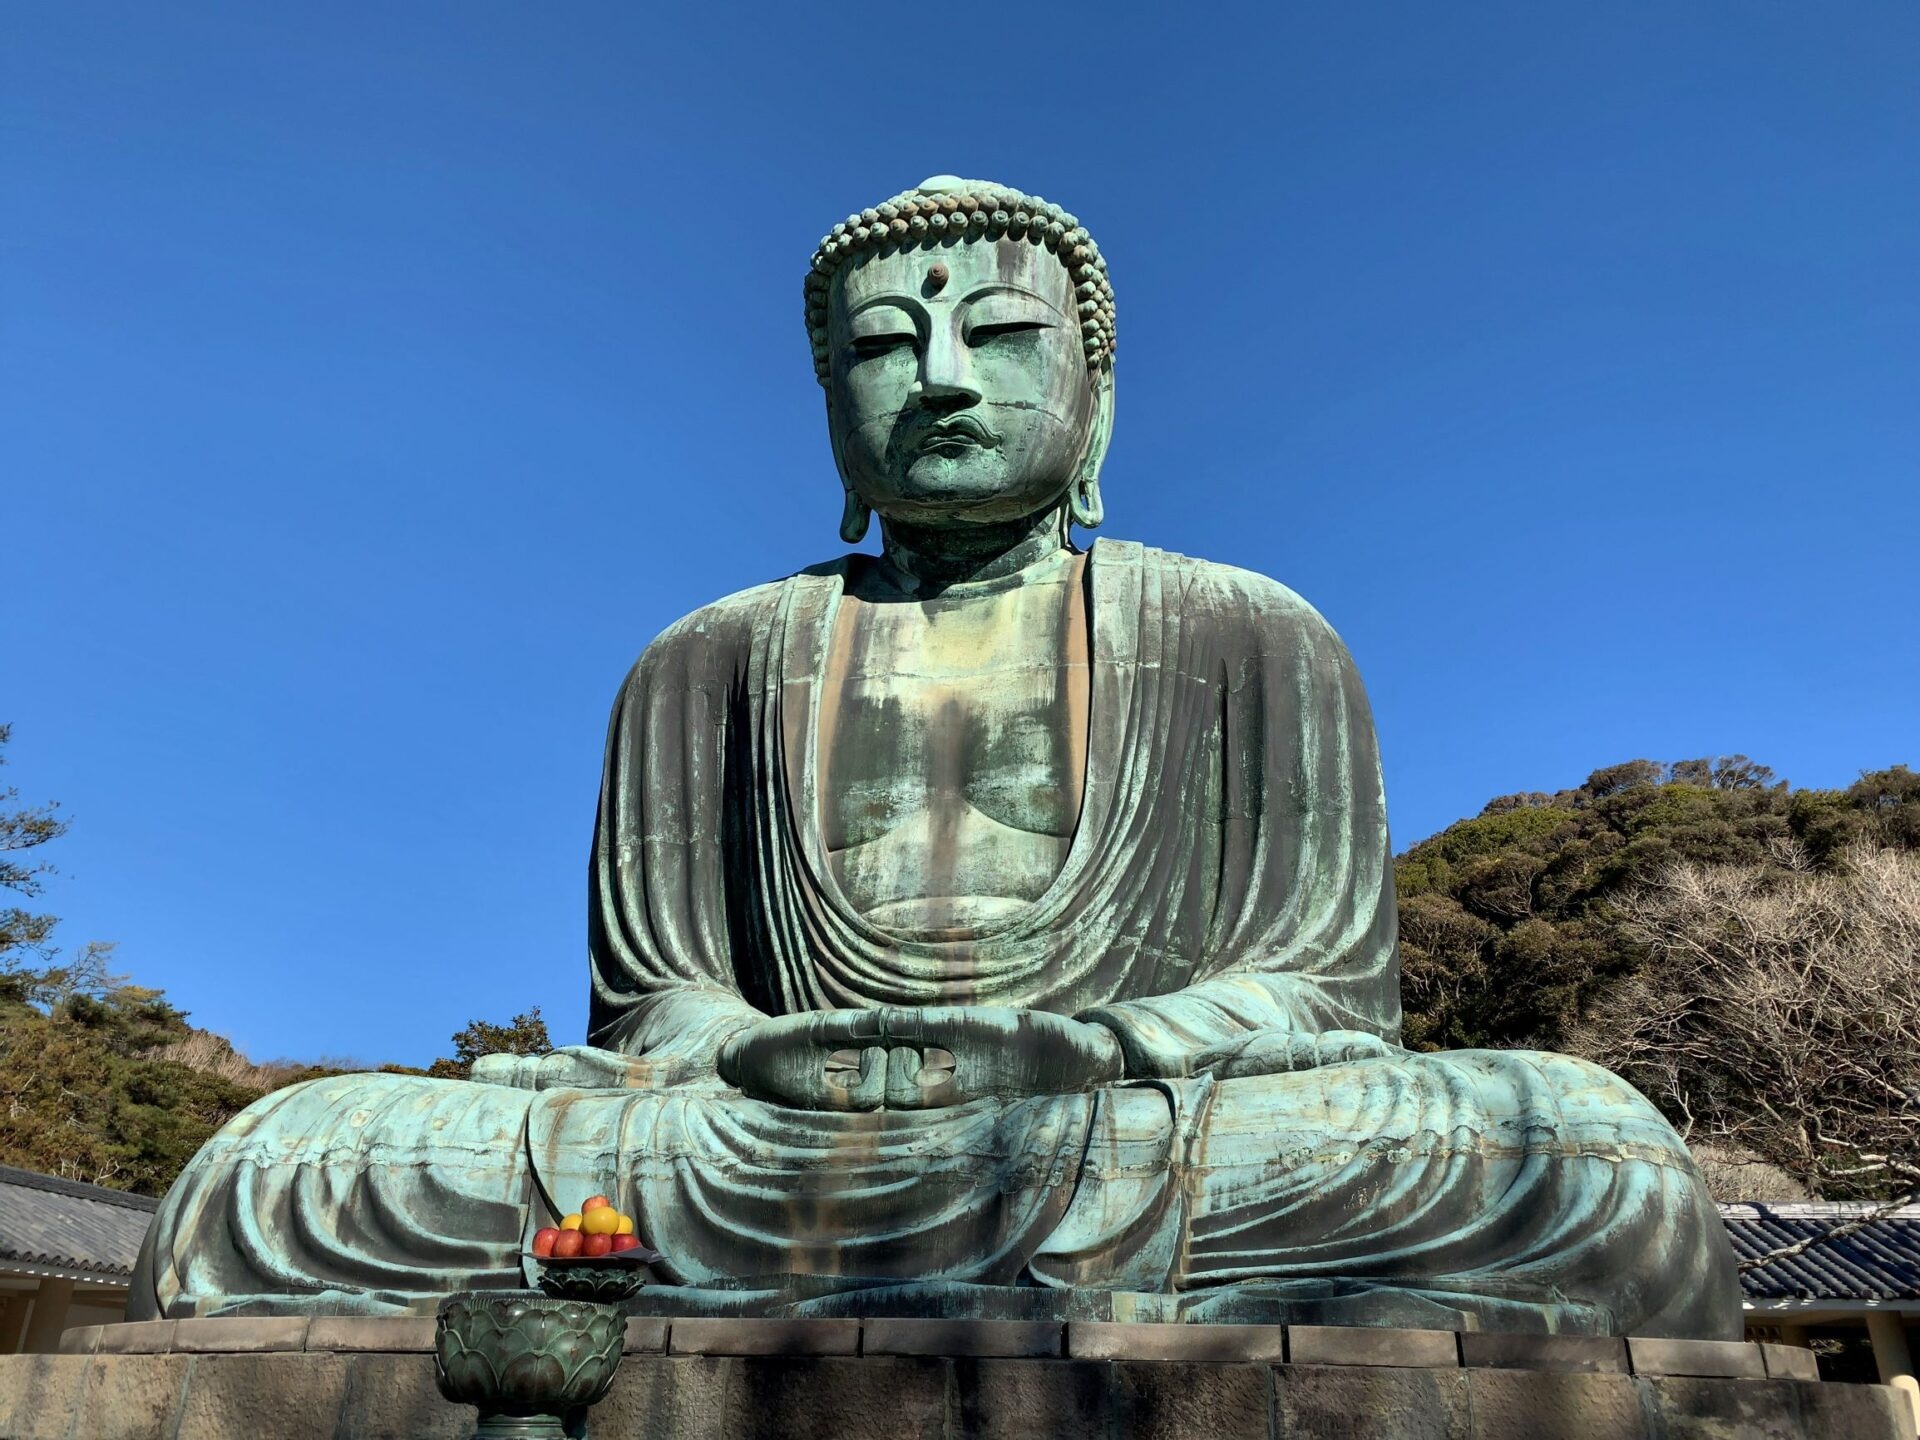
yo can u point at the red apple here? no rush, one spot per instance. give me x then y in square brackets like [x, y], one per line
[624, 1242]
[594, 1202]
[543, 1241]
[568, 1245]
[596, 1245]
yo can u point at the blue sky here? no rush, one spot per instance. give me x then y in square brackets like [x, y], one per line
[376, 380]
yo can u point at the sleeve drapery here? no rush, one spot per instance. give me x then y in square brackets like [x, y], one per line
[1304, 919]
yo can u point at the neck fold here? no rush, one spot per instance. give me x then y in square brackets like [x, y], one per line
[928, 558]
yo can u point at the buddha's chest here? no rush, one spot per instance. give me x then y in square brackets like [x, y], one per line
[952, 750]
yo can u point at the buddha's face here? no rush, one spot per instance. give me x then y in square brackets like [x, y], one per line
[959, 391]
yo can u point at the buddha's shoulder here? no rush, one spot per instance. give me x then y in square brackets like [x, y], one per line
[730, 616]
[1230, 594]
[724, 629]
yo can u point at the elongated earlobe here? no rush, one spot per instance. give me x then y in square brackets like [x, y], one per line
[1084, 503]
[854, 519]
[855, 515]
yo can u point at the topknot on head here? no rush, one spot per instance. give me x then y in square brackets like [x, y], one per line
[946, 207]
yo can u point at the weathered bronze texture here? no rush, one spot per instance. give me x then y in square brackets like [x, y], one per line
[527, 1362]
[605, 1281]
[989, 927]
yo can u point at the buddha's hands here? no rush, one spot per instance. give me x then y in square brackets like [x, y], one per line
[1281, 1052]
[995, 1051]
[784, 1059]
[917, 1058]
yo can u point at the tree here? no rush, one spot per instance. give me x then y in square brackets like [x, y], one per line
[1509, 927]
[1743, 952]
[22, 831]
[525, 1034]
[1778, 1015]
[107, 1081]
[86, 1088]
[90, 1087]
[84, 980]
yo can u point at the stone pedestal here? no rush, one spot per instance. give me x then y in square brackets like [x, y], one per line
[372, 1379]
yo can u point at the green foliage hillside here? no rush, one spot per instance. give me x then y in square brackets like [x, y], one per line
[1509, 922]
[90, 1086]
[106, 1081]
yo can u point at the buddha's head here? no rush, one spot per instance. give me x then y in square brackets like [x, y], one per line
[964, 334]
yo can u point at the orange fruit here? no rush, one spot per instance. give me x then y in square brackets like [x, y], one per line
[572, 1222]
[625, 1227]
[602, 1221]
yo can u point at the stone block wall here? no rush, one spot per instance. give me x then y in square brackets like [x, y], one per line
[362, 1379]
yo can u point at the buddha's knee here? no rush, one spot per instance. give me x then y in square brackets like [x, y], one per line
[430, 1177]
[1587, 1099]
[354, 1120]
[1535, 1102]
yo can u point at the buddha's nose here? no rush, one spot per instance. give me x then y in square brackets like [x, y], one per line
[946, 381]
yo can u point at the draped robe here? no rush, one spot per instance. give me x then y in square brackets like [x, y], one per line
[1229, 879]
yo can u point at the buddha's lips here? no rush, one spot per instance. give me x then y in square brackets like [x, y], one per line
[961, 430]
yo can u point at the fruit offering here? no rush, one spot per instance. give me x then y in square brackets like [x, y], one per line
[595, 1229]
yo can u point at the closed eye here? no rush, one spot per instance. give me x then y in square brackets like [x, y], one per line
[979, 334]
[869, 345]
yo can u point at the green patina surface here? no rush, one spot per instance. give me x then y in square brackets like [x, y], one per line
[983, 922]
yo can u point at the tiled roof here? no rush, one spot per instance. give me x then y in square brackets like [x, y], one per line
[1879, 1261]
[52, 1224]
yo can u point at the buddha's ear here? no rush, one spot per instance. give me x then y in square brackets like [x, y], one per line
[855, 516]
[1083, 497]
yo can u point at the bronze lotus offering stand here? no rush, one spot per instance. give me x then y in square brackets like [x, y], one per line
[529, 1360]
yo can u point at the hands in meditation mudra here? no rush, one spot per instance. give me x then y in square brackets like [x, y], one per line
[901, 1058]
[981, 923]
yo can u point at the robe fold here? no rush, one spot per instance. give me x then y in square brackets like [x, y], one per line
[1230, 870]
[1229, 878]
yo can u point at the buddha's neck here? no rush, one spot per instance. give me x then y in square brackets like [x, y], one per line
[934, 557]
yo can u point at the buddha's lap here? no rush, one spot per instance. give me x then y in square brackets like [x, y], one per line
[1442, 1163]
[1544, 1173]
[1498, 1104]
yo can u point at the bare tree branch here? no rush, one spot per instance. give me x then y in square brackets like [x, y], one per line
[1777, 1016]
[1837, 1232]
